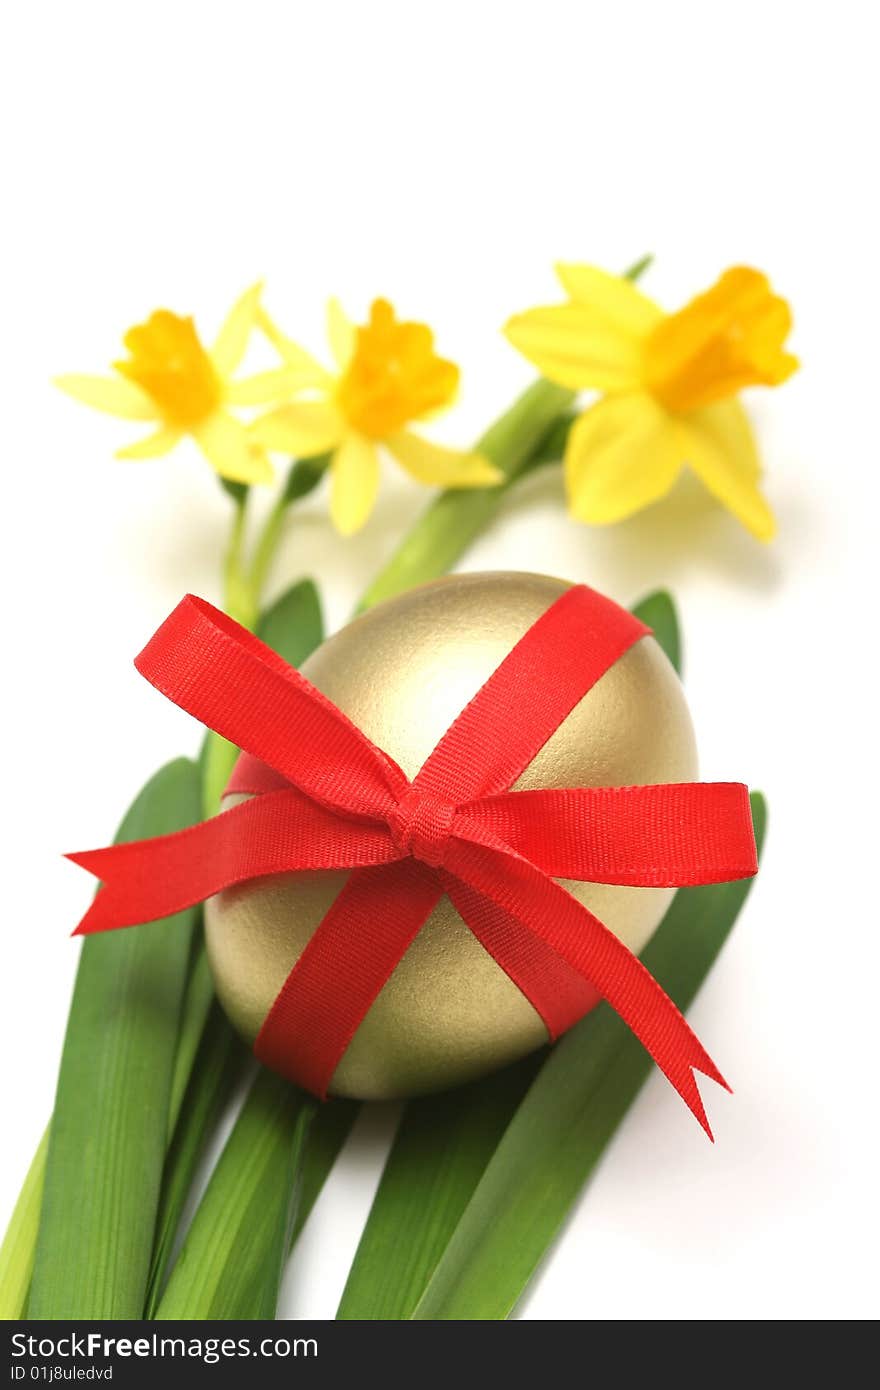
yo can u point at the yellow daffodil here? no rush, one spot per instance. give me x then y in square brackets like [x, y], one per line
[669, 384]
[170, 378]
[387, 376]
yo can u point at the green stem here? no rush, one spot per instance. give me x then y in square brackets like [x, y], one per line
[218, 760]
[304, 475]
[218, 754]
[238, 595]
[241, 600]
[453, 520]
[267, 545]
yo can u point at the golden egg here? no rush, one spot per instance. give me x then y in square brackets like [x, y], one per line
[402, 672]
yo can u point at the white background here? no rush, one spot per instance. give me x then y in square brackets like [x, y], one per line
[445, 155]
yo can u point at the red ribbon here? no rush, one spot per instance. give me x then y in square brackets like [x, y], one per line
[324, 797]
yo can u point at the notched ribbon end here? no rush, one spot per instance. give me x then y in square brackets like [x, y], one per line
[698, 1108]
[85, 859]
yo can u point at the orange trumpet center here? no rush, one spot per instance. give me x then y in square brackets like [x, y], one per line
[167, 360]
[728, 338]
[394, 375]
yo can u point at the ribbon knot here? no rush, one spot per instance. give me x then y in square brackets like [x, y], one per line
[328, 798]
[420, 825]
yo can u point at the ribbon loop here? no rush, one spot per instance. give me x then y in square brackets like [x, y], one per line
[225, 676]
[323, 796]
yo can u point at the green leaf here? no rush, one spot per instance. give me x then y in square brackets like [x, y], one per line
[293, 626]
[303, 477]
[110, 1123]
[20, 1241]
[658, 612]
[234, 1252]
[439, 1154]
[198, 997]
[218, 1068]
[237, 491]
[329, 1131]
[567, 1117]
[216, 1075]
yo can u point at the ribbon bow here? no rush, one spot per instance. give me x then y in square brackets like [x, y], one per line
[322, 796]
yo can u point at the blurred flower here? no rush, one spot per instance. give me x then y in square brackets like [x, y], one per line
[387, 375]
[172, 379]
[669, 384]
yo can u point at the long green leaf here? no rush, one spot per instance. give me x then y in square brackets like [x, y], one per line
[198, 996]
[108, 1135]
[218, 1068]
[209, 1092]
[442, 1148]
[234, 1252]
[568, 1116]
[20, 1241]
[209, 1058]
[329, 1131]
[439, 1154]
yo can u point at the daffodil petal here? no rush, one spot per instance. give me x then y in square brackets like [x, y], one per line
[610, 297]
[440, 467]
[232, 340]
[266, 387]
[313, 373]
[576, 347]
[341, 334]
[113, 395]
[728, 424]
[354, 483]
[718, 444]
[303, 428]
[153, 446]
[622, 454]
[229, 449]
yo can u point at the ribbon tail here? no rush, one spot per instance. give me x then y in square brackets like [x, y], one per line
[557, 992]
[140, 882]
[543, 908]
[354, 950]
[144, 880]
